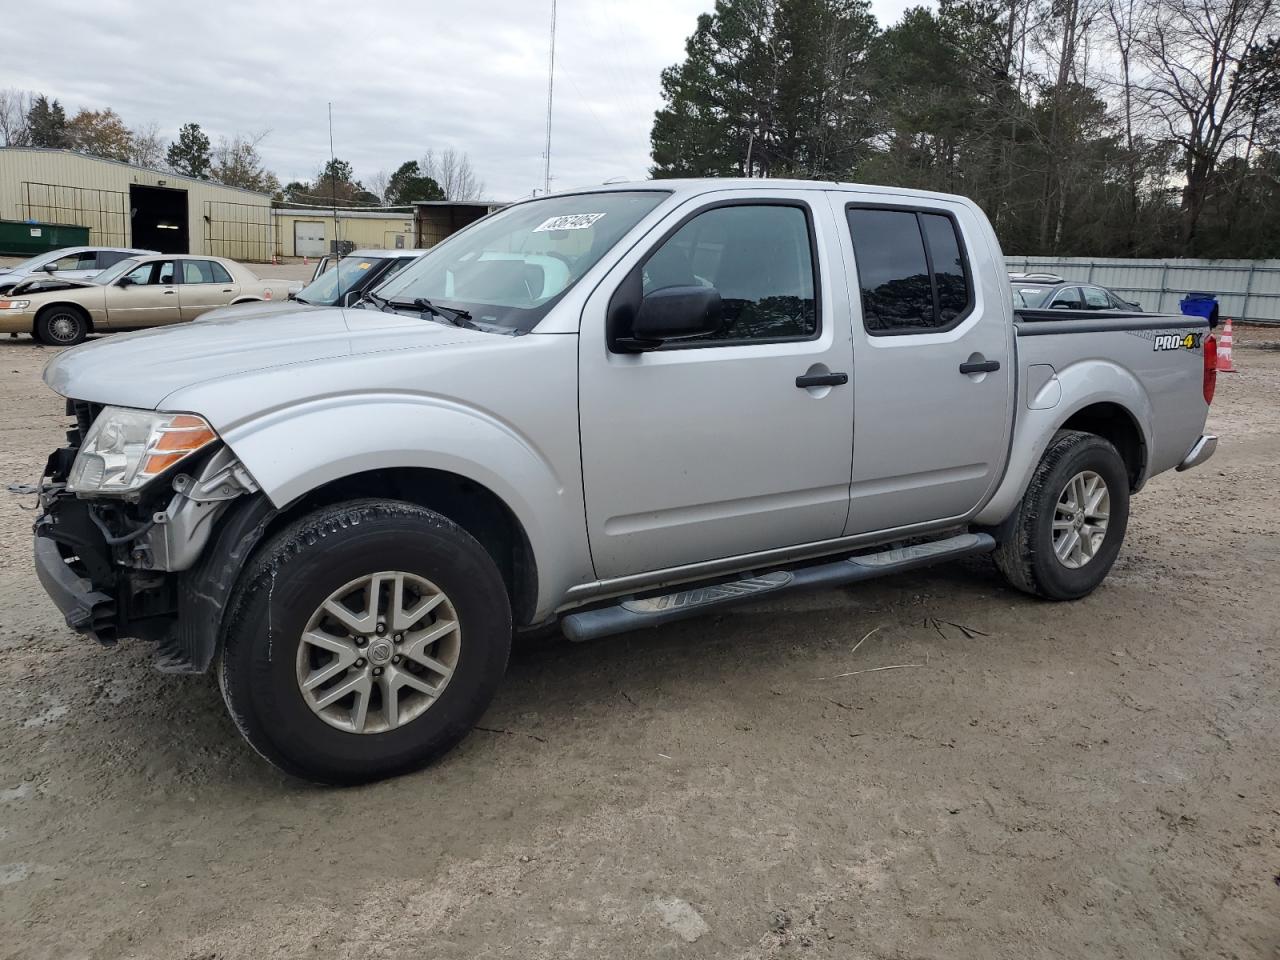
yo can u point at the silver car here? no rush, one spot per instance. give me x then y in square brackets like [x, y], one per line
[73, 263]
[609, 409]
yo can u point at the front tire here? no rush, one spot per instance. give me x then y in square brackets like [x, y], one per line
[61, 326]
[1069, 527]
[365, 640]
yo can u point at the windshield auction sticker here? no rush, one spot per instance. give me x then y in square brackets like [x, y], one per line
[570, 221]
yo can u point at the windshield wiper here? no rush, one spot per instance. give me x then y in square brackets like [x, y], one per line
[373, 298]
[459, 318]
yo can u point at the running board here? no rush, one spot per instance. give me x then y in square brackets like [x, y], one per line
[633, 614]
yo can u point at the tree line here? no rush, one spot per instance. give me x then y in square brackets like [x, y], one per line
[35, 120]
[1128, 128]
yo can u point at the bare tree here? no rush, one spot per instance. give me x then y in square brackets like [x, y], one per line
[237, 163]
[377, 184]
[146, 146]
[453, 171]
[1123, 16]
[14, 106]
[1201, 84]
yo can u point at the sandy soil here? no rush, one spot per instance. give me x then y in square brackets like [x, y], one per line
[1097, 779]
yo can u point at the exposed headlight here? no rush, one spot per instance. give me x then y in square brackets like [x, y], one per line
[14, 304]
[126, 448]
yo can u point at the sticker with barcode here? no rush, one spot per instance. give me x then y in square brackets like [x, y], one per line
[570, 221]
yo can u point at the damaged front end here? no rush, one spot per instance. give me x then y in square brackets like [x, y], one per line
[135, 562]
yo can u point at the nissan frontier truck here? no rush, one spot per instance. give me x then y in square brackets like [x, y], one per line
[607, 409]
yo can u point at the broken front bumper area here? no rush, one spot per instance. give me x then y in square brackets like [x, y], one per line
[158, 566]
[82, 573]
[86, 610]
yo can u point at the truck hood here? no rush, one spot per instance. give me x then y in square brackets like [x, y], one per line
[257, 310]
[141, 369]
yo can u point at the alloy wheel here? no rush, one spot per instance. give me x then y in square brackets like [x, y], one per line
[378, 652]
[1080, 519]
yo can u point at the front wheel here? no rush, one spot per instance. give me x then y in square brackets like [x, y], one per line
[61, 326]
[1070, 524]
[365, 640]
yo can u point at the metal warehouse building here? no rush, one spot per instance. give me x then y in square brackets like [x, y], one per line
[124, 205]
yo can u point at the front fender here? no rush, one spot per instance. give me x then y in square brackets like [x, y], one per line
[1078, 385]
[297, 449]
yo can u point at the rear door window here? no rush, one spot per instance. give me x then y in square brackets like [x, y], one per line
[912, 270]
[109, 258]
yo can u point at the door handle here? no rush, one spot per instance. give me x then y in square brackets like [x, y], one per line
[980, 366]
[170, 293]
[822, 380]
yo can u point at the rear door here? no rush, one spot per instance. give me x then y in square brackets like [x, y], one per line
[205, 285]
[933, 386]
[716, 447]
[149, 300]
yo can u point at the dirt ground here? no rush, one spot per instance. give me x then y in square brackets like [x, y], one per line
[1097, 779]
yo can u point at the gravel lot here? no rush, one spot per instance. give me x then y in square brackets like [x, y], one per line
[1096, 779]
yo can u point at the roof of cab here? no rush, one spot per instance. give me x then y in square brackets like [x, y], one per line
[695, 186]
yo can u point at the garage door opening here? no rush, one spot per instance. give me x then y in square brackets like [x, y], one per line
[159, 217]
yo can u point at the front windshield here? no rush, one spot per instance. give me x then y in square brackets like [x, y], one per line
[26, 266]
[1029, 298]
[509, 269]
[346, 276]
[113, 273]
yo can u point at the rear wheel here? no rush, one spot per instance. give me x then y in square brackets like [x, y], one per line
[366, 639]
[1071, 522]
[61, 326]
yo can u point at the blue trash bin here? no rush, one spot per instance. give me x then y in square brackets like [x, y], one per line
[1197, 304]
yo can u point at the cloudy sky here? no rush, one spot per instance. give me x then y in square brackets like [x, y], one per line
[403, 76]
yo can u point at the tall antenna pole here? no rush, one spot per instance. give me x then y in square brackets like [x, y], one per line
[551, 79]
[333, 189]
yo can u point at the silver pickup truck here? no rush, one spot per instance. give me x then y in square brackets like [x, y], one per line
[608, 409]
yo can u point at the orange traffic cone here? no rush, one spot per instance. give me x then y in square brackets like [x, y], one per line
[1224, 349]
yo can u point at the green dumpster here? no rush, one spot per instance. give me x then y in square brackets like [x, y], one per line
[24, 238]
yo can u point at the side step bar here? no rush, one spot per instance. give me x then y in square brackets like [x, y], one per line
[632, 614]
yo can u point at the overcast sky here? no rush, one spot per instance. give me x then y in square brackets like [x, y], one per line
[403, 76]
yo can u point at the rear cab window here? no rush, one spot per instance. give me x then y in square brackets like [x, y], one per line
[913, 271]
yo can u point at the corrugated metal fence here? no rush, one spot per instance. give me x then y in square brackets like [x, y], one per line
[1246, 289]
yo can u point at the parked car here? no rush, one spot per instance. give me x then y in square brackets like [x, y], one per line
[612, 409]
[1037, 291]
[76, 263]
[335, 283]
[137, 292]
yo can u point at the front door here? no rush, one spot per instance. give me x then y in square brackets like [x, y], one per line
[718, 447]
[145, 297]
[934, 385]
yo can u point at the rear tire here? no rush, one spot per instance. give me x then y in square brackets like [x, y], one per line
[1080, 488]
[61, 326]
[283, 635]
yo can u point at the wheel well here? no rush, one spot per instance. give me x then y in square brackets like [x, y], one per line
[471, 506]
[70, 306]
[1114, 423]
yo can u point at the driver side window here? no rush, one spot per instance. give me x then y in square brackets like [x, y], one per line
[1067, 297]
[758, 257]
[140, 275]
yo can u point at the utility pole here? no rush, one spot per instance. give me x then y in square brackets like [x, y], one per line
[551, 79]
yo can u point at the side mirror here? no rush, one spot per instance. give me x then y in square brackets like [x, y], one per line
[1060, 306]
[125, 282]
[49, 268]
[674, 313]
